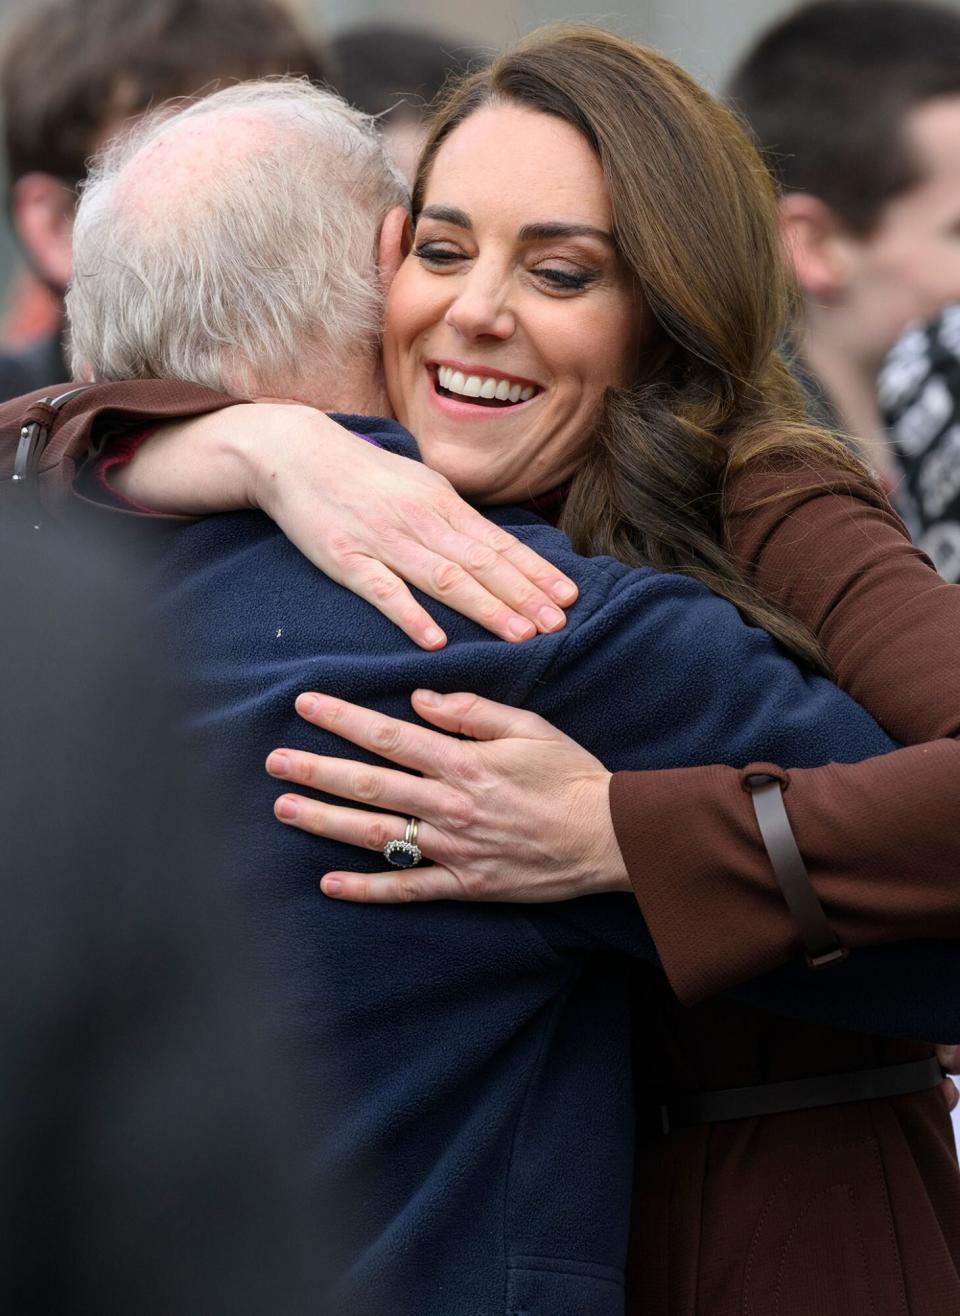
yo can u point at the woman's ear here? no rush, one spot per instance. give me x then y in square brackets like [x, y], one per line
[394, 243]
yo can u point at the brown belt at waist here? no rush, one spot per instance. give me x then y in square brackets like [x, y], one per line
[800, 1094]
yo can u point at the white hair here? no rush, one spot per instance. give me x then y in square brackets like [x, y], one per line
[262, 268]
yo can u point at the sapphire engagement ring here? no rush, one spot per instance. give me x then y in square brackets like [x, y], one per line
[405, 853]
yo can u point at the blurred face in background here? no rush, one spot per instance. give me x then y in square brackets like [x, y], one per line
[513, 312]
[908, 267]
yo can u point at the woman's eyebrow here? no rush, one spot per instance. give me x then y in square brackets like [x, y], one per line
[447, 215]
[551, 231]
[548, 231]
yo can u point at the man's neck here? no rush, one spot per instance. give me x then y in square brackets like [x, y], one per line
[359, 392]
[850, 386]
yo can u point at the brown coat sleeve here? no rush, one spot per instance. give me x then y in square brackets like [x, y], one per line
[880, 839]
[65, 434]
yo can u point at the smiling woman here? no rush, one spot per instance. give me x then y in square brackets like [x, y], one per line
[518, 287]
[591, 225]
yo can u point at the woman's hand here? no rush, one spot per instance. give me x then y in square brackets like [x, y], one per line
[367, 518]
[949, 1057]
[520, 812]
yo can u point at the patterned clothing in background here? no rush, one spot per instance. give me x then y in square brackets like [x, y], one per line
[919, 392]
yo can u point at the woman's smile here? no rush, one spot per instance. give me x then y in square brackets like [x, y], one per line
[469, 391]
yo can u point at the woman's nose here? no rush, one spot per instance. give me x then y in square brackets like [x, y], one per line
[480, 310]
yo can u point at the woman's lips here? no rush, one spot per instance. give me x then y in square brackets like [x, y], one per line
[474, 393]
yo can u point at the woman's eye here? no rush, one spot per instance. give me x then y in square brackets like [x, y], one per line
[433, 253]
[565, 280]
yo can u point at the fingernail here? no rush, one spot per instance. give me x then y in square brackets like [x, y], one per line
[550, 619]
[434, 636]
[564, 592]
[287, 808]
[278, 765]
[519, 629]
[308, 705]
[429, 698]
[331, 886]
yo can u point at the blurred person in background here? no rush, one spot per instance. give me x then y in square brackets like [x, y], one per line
[395, 73]
[72, 73]
[919, 392]
[147, 1147]
[856, 107]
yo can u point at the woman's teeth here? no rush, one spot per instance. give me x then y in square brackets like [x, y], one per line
[481, 386]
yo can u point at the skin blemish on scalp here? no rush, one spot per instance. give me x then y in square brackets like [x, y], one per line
[159, 179]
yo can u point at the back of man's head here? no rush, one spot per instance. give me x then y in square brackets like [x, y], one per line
[827, 90]
[234, 244]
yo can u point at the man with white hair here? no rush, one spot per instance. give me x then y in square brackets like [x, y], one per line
[201, 252]
[451, 1056]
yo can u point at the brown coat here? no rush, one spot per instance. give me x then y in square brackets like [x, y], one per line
[851, 1210]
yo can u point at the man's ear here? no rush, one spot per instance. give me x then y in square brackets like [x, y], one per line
[817, 244]
[42, 211]
[393, 245]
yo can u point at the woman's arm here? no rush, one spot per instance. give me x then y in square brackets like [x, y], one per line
[53, 440]
[878, 838]
[370, 519]
[836, 556]
[520, 812]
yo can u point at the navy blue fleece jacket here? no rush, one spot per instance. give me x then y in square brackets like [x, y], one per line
[466, 1067]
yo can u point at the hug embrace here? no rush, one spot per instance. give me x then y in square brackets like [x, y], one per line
[650, 1030]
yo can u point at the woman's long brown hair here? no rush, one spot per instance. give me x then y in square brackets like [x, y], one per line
[695, 220]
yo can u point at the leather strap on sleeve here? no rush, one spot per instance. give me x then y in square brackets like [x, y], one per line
[819, 940]
[47, 434]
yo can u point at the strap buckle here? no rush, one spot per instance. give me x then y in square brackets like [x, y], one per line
[835, 956]
[820, 943]
[35, 434]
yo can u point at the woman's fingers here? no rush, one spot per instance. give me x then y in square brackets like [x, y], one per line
[486, 579]
[406, 525]
[949, 1057]
[399, 887]
[370, 831]
[459, 587]
[391, 738]
[480, 583]
[542, 573]
[481, 719]
[371, 580]
[366, 783]
[358, 827]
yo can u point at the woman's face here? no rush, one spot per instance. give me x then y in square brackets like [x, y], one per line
[513, 312]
